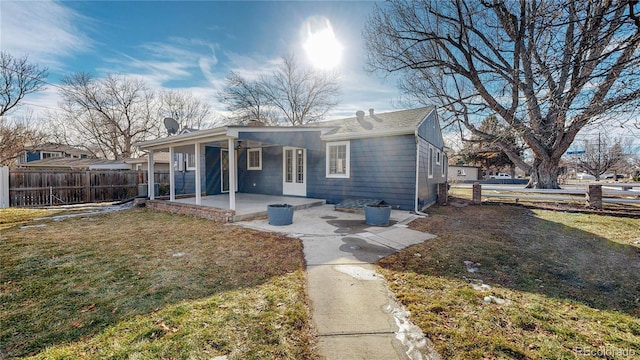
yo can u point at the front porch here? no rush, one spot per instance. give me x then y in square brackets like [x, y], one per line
[247, 206]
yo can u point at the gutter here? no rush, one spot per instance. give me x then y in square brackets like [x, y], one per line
[415, 207]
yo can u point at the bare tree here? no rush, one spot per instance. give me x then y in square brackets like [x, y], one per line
[480, 151]
[246, 99]
[601, 155]
[545, 68]
[292, 94]
[302, 95]
[108, 115]
[188, 110]
[16, 135]
[18, 78]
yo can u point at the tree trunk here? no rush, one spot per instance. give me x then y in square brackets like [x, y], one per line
[544, 174]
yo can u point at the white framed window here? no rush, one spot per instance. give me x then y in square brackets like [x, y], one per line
[431, 156]
[438, 155]
[191, 161]
[338, 159]
[178, 162]
[49, 154]
[254, 159]
[445, 164]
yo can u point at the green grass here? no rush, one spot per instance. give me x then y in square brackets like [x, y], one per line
[571, 283]
[146, 284]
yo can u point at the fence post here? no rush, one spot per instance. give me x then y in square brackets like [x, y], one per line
[594, 196]
[477, 194]
[4, 187]
[87, 186]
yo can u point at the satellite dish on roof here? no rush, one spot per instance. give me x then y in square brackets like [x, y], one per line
[171, 125]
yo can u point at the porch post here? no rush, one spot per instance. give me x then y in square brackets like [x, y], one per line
[232, 174]
[198, 182]
[150, 177]
[172, 171]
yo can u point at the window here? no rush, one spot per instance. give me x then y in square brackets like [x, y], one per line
[254, 159]
[445, 164]
[47, 154]
[191, 161]
[338, 159]
[437, 157]
[431, 161]
[178, 163]
[300, 166]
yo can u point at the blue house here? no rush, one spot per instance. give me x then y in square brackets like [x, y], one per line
[396, 157]
[51, 150]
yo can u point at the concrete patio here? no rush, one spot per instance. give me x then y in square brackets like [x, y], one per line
[251, 206]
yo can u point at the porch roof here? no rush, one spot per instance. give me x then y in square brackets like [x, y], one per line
[299, 136]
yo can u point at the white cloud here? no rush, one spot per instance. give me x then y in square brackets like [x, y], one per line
[46, 31]
[160, 63]
[251, 67]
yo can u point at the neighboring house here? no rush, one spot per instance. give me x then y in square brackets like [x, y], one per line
[162, 164]
[142, 163]
[461, 173]
[51, 150]
[77, 164]
[396, 157]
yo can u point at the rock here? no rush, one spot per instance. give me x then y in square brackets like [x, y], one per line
[140, 202]
[481, 287]
[471, 266]
[492, 299]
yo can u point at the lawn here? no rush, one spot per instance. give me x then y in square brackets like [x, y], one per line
[504, 281]
[144, 284]
[16, 216]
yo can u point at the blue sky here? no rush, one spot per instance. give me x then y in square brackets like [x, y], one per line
[185, 45]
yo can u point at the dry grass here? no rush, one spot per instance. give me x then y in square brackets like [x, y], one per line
[147, 284]
[571, 283]
[16, 216]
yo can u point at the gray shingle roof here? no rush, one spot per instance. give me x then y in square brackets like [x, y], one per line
[59, 147]
[71, 163]
[378, 123]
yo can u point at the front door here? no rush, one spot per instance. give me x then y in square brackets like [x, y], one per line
[225, 171]
[294, 171]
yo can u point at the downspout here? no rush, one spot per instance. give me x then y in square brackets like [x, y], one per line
[415, 208]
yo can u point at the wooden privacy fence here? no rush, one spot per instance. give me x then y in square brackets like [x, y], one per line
[56, 187]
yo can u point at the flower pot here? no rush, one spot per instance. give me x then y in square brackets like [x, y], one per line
[377, 215]
[280, 214]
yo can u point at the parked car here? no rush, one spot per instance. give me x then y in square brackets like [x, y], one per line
[611, 176]
[500, 176]
[585, 176]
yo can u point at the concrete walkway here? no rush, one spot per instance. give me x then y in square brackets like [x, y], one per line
[353, 310]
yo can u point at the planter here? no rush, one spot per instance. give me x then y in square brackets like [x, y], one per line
[280, 214]
[377, 215]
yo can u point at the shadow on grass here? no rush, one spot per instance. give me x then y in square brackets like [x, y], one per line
[72, 279]
[519, 250]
